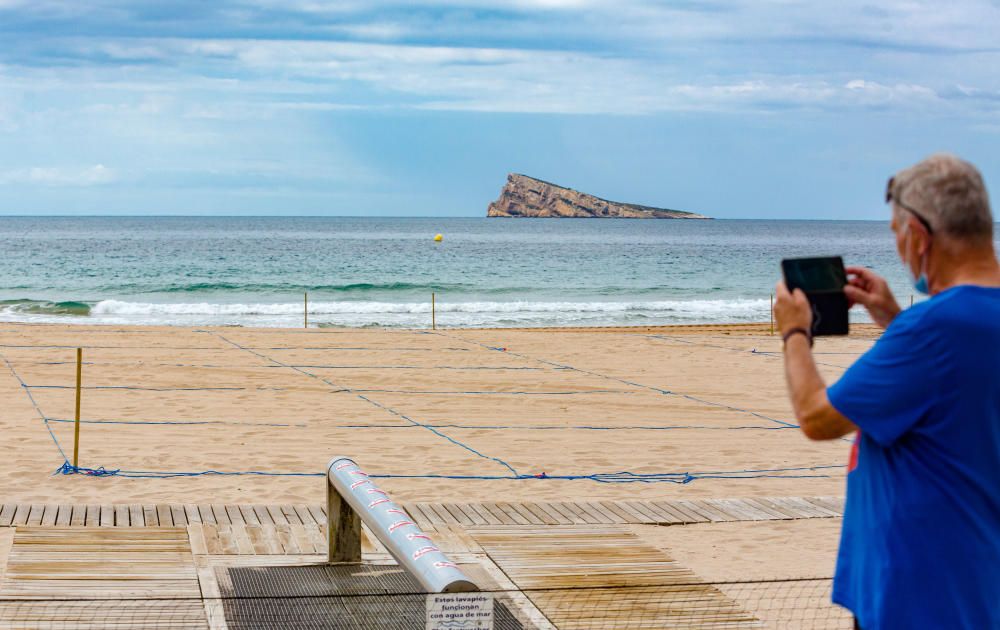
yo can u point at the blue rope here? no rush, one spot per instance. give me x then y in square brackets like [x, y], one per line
[626, 382]
[486, 393]
[317, 367]
[440, 434]
[568, 427]
[375, 403]
[180, 422]
[38, 409]
[776, 355]
[753, 351]
[251, 348]
[160, 389]
[69, 469]
[107, 347]
[614, 477]
[412, 367]
[630, 477]
[491, 427]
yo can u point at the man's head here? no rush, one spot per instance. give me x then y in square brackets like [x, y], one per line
[940, 200]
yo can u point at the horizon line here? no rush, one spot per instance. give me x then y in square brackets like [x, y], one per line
[358, 216]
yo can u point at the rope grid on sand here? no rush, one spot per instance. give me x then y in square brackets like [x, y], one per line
[614, 477]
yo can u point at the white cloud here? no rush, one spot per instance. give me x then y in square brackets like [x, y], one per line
[555, 56]
[59, 176]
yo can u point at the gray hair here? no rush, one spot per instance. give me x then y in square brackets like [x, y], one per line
[949, 193]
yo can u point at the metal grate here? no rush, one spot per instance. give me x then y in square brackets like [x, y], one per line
[346, 597]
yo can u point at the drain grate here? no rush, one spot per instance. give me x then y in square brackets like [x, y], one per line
[338, 596]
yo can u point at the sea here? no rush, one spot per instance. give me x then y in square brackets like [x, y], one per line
[382, 272]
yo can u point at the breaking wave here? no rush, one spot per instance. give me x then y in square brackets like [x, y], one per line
[396, 314]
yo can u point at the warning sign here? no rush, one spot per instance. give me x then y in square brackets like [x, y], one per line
[466, 611]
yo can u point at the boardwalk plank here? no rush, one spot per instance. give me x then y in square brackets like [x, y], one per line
[49, 515]
[277, 515]
[107, 517]
[179, 515]
[7, 511]
[556, 515]
[207, 514]
[136, 516]
[35, 513]
[263, 516]
[121, 515]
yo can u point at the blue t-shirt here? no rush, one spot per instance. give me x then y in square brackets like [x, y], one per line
[920, 546]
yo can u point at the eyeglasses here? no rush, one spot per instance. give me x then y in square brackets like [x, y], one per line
[889, 198]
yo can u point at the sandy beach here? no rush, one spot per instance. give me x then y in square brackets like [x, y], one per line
[464, 416]
[704, 400]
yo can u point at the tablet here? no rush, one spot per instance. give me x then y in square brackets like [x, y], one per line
[822, 280]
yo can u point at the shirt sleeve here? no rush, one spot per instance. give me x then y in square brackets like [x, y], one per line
[892, 386]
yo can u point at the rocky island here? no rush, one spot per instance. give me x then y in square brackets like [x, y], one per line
[525, 196]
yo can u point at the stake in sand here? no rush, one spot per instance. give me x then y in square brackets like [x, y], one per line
[305, 310]
[76, 426]
[433, 313]
[772, 313]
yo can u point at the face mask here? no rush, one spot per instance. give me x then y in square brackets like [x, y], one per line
[919, 282]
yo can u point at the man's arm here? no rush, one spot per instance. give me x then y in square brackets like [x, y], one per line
[818, 419]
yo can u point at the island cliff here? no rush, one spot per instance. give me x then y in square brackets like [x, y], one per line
[525, 196]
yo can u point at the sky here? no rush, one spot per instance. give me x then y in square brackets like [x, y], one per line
[739, 109]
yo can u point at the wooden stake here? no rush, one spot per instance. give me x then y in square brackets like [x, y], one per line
[433, 312]
[305, 310]
[772, 313]
[76, 429]
[911, 299]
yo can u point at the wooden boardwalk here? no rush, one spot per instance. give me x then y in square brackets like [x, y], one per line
[429, 515]
[157, 566]
[606, 577]
[101, 578]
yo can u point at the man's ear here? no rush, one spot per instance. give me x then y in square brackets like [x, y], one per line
[919, 232]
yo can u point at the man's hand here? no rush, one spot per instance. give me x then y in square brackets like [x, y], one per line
[791, 310]
[869, 289]
[818, 419]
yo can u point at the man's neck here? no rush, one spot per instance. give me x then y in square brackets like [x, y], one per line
[967, 267]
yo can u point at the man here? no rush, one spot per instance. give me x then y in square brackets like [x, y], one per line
[920, 545]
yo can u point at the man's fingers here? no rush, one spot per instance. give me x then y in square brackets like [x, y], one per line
[856, 295]
[781, 290]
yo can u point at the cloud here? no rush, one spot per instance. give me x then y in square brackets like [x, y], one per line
[249, 78]
[248, 57]
[96, 175]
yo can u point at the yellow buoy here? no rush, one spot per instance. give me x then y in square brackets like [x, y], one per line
[438, 238]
